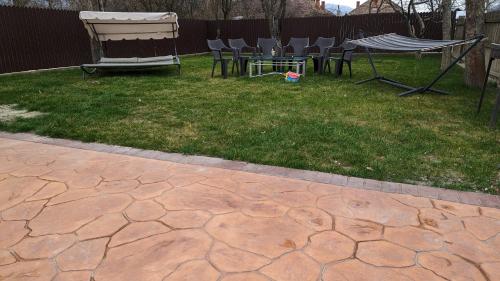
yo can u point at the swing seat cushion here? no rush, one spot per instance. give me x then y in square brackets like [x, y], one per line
[135, 62]
[155, 59]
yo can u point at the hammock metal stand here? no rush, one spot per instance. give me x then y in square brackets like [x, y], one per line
[494, 55]
[419, 90]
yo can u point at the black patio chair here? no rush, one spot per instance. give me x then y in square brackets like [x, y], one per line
[345, 58]
[265, 48]
[239, 46]
[322, 59]
[217, 47]
[300, 49]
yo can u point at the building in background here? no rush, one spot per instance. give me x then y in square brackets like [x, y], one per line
[373, 7]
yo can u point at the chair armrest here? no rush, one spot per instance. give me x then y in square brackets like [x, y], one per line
[284, 49]
[250, 48]
[253, 49]
[328, 51]
[220, 52]
[307, 50]
[347, 54]
[313, 47]
[226, 50]
[236, 52]
[258, 50]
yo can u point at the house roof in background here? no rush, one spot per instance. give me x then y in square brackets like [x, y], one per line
[373, 7]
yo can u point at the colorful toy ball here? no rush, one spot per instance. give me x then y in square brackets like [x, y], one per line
[292, 77]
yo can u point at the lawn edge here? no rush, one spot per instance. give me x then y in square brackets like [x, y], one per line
[465, 197]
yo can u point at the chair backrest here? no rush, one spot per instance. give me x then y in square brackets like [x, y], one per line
[299, 45]
[266, 45]
[215, 47]
[348, 50]
[324, 44]
[237, 43]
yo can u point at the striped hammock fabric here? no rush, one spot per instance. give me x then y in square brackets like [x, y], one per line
[395, 42]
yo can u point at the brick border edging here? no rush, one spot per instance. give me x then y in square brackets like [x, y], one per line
[473, 198]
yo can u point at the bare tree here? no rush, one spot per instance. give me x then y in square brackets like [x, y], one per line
[226, 7]
[373, 4]
[492, 3]
[191, 7]
[474, 25]
[249, 8]
[274, 12]
[20, 3]
[407, 8]
[214, 6]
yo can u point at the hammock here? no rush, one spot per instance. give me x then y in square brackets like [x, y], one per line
[398, 43]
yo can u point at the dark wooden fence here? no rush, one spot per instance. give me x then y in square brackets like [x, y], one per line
[32, 38]
[192, 40]
[313, 27]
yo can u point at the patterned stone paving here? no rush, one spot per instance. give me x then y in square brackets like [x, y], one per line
[77, 215]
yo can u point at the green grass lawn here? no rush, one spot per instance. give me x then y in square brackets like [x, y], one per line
[322, 123]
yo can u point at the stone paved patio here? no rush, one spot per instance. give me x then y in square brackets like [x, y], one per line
[79, 215]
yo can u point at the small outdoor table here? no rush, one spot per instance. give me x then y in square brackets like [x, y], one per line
[279, 65]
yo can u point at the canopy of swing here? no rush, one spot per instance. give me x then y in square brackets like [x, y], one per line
[115, 26]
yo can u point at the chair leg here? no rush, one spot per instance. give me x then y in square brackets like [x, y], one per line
[350, 69]
[214, 64]
[329, 67]
[232, 68]
[224, 69]
[338, 68]
[322, 65]
[315, 65]
[241, 63]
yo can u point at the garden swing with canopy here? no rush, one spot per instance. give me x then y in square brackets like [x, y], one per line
[116, 26]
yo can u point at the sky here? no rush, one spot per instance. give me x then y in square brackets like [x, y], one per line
[350, 3]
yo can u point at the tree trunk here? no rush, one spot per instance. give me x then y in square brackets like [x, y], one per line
[215, 5]
[20, 3]
[226, 7]
[274, 11]
[420, 21]
[447, 30]
[474, 25]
